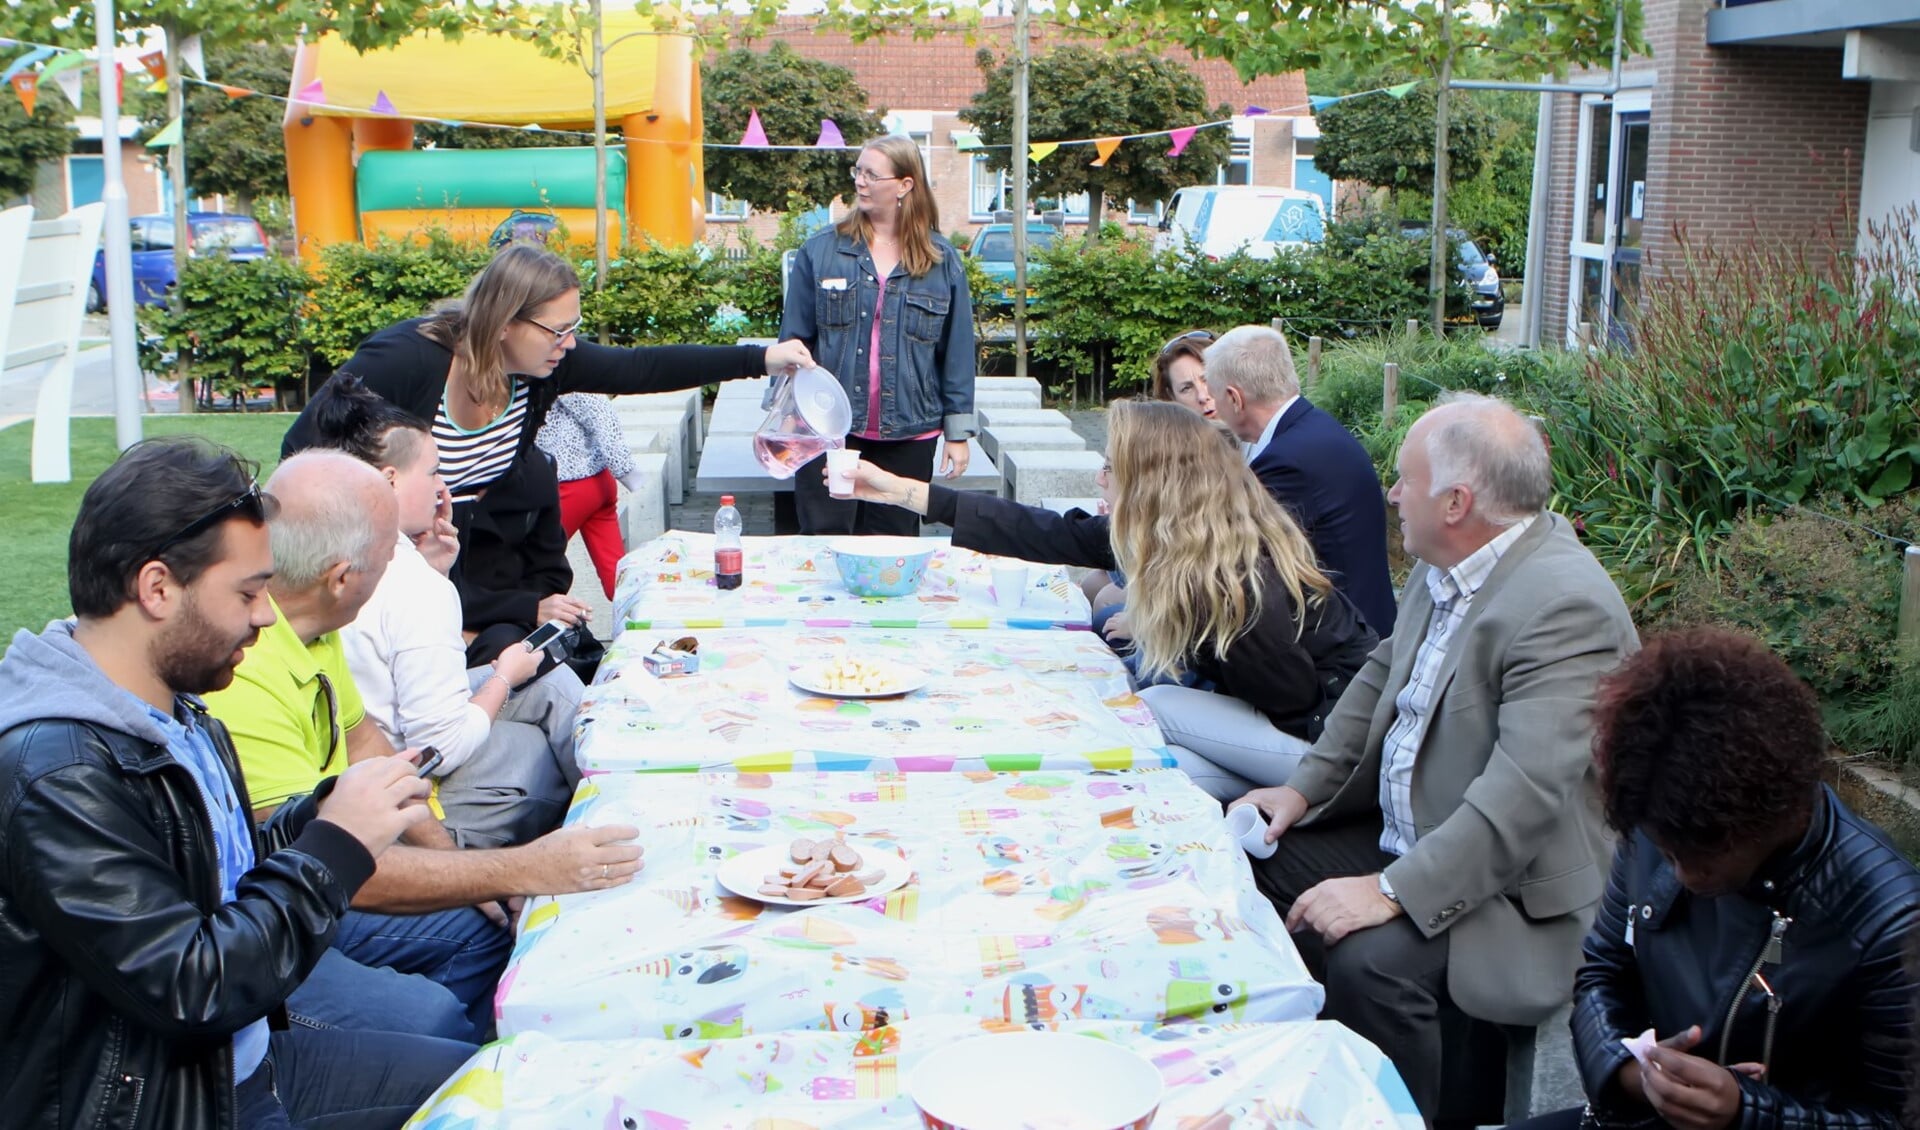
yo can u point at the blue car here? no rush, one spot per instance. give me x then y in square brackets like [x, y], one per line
[237, 237]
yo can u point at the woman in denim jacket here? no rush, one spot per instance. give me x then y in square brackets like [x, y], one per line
[881, 301]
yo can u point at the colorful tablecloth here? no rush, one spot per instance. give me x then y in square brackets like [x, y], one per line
[1036, 897]
[998, 699]
[1217, 1076]
[667, 583]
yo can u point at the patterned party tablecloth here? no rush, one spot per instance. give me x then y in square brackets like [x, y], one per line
[1035, 898]
[997, 699]
[1217, 1077]
[667, 584]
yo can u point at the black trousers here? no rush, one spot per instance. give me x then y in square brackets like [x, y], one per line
[1386, 983]
[821, 513]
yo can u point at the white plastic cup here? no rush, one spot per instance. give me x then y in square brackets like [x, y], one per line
[1009, 585]
[1249, 825]
[842, 464]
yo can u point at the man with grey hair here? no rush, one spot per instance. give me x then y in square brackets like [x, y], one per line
[297, 719]
[1439, 843]
[1308, 462]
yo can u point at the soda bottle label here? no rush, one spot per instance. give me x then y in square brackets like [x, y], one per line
[727, 561]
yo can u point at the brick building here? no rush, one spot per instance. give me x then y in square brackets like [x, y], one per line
[923, 84]
[1787, 119]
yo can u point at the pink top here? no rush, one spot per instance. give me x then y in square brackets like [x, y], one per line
[873, 372]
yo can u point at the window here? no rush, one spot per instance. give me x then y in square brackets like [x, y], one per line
[1148, 213]
[986, 189]
[1239, 166]
[725, 208]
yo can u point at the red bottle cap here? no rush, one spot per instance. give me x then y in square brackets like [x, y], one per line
[726, 500]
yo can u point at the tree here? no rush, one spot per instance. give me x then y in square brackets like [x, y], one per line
[26, 142]
[236, 144]
[1388, 142]
[792, 94]
[1077, 91]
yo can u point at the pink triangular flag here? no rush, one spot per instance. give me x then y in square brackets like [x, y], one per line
[830, 136]
[1180, 138]
[756, 135]
[312, 92]
[382, 104]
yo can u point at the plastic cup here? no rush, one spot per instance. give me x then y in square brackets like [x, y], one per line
[1249, 826]
[842, 463]
[1009, 585]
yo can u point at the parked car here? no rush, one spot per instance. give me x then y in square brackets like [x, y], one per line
[992, 248]
[237, 237]
[1475, 270]
[1219, 219]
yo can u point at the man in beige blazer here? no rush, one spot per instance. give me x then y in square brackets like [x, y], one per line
[1442, 840]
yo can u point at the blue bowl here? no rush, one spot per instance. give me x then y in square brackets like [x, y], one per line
[882, 566]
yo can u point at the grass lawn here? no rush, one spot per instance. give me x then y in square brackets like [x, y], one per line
[35, 519]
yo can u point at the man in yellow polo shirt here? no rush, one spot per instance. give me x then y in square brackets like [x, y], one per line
[296, 719]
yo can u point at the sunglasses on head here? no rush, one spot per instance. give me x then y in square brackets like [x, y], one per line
[249, 502]
[1190, 335]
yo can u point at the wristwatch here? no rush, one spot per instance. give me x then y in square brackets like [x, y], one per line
[1386, 890]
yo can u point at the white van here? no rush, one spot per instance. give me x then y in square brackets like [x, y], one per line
[1219, 218]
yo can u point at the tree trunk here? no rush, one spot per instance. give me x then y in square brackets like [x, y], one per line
[1439, 270]
[599, 150]
[1096, 207]
[1018, 168]
[177, 174]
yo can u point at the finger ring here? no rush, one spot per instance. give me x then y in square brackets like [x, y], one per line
[603, 871]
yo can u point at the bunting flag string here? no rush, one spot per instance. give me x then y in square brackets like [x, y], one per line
[168, 135]
[1180, 139]
[1041, 150]
[23, 62]
[192, 56]
[1104, 148]
[67, 82]
[62, 63]
[26, 84]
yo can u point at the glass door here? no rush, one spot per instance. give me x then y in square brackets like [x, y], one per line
[1627, 221]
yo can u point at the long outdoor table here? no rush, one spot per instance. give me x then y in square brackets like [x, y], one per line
[1217, 1077]
[667, 583]
[1034, 898]
[996, 699]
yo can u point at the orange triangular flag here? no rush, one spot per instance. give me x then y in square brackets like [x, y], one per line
[235, 91]
[27, 86]
[1104, 147]
[156, 63]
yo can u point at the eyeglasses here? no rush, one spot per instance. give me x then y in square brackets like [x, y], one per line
[1190, 335]
[859, 174]
[569, 330]
[249, 501]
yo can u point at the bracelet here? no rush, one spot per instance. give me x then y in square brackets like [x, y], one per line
[503, 681]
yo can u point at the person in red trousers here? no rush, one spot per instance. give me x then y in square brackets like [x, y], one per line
[590, 455]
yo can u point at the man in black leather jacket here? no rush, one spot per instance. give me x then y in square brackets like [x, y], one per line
[1752, 924]
[147, 935]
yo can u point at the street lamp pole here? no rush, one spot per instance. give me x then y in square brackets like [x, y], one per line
[122, 350]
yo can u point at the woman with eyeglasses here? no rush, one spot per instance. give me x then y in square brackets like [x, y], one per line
[1180, 372]
[881, 300]
[1222, 590]
[483, 371]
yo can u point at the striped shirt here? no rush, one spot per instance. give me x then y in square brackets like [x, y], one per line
[1453, 591]
[471, 460]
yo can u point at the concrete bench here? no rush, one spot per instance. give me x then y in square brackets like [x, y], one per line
[44, 271]
[995, 439]
[669, 434]
[1023, 417]
[1008, 384]
[643, 513]
[1034, 475]
[990, 399]
[728, 466]
[735, 417]
[686, 401]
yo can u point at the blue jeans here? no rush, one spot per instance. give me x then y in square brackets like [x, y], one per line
[423, 974]
[328, 1080]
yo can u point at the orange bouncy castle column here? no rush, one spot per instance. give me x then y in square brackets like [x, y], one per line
[319, 169]
[381, 133]
[699, 156]
[659, 151]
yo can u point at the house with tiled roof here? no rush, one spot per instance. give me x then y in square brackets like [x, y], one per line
[923, 84]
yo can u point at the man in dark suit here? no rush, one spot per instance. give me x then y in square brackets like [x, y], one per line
[1440, 842]
[1309, 463]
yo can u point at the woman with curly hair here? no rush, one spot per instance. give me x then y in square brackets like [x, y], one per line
[1222, 590]
[1746, 967]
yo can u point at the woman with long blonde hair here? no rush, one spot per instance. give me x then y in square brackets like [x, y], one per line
[881, 299]
[1223, 592]
[483, 372]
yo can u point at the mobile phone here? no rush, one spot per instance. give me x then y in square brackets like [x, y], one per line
[430, 759]
[545, 634]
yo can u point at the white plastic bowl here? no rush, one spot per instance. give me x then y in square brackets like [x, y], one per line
[1035, 1081]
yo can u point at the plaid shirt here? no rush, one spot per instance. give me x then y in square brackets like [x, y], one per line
[1453, 591]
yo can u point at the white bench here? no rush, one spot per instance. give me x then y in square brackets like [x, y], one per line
[1023, 417]
[989, 399]
[995, 439]
[643, 513]
[1007, 384]
[669, 434]
[1062, 505]
[686, 402]
[1035, 475]
[45, 275]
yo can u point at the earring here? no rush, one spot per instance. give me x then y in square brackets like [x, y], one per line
[900, 200]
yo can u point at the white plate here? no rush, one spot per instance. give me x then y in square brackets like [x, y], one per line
[906, 680]
[744, 873]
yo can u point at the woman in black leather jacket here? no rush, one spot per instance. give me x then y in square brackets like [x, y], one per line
[1752, 923]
